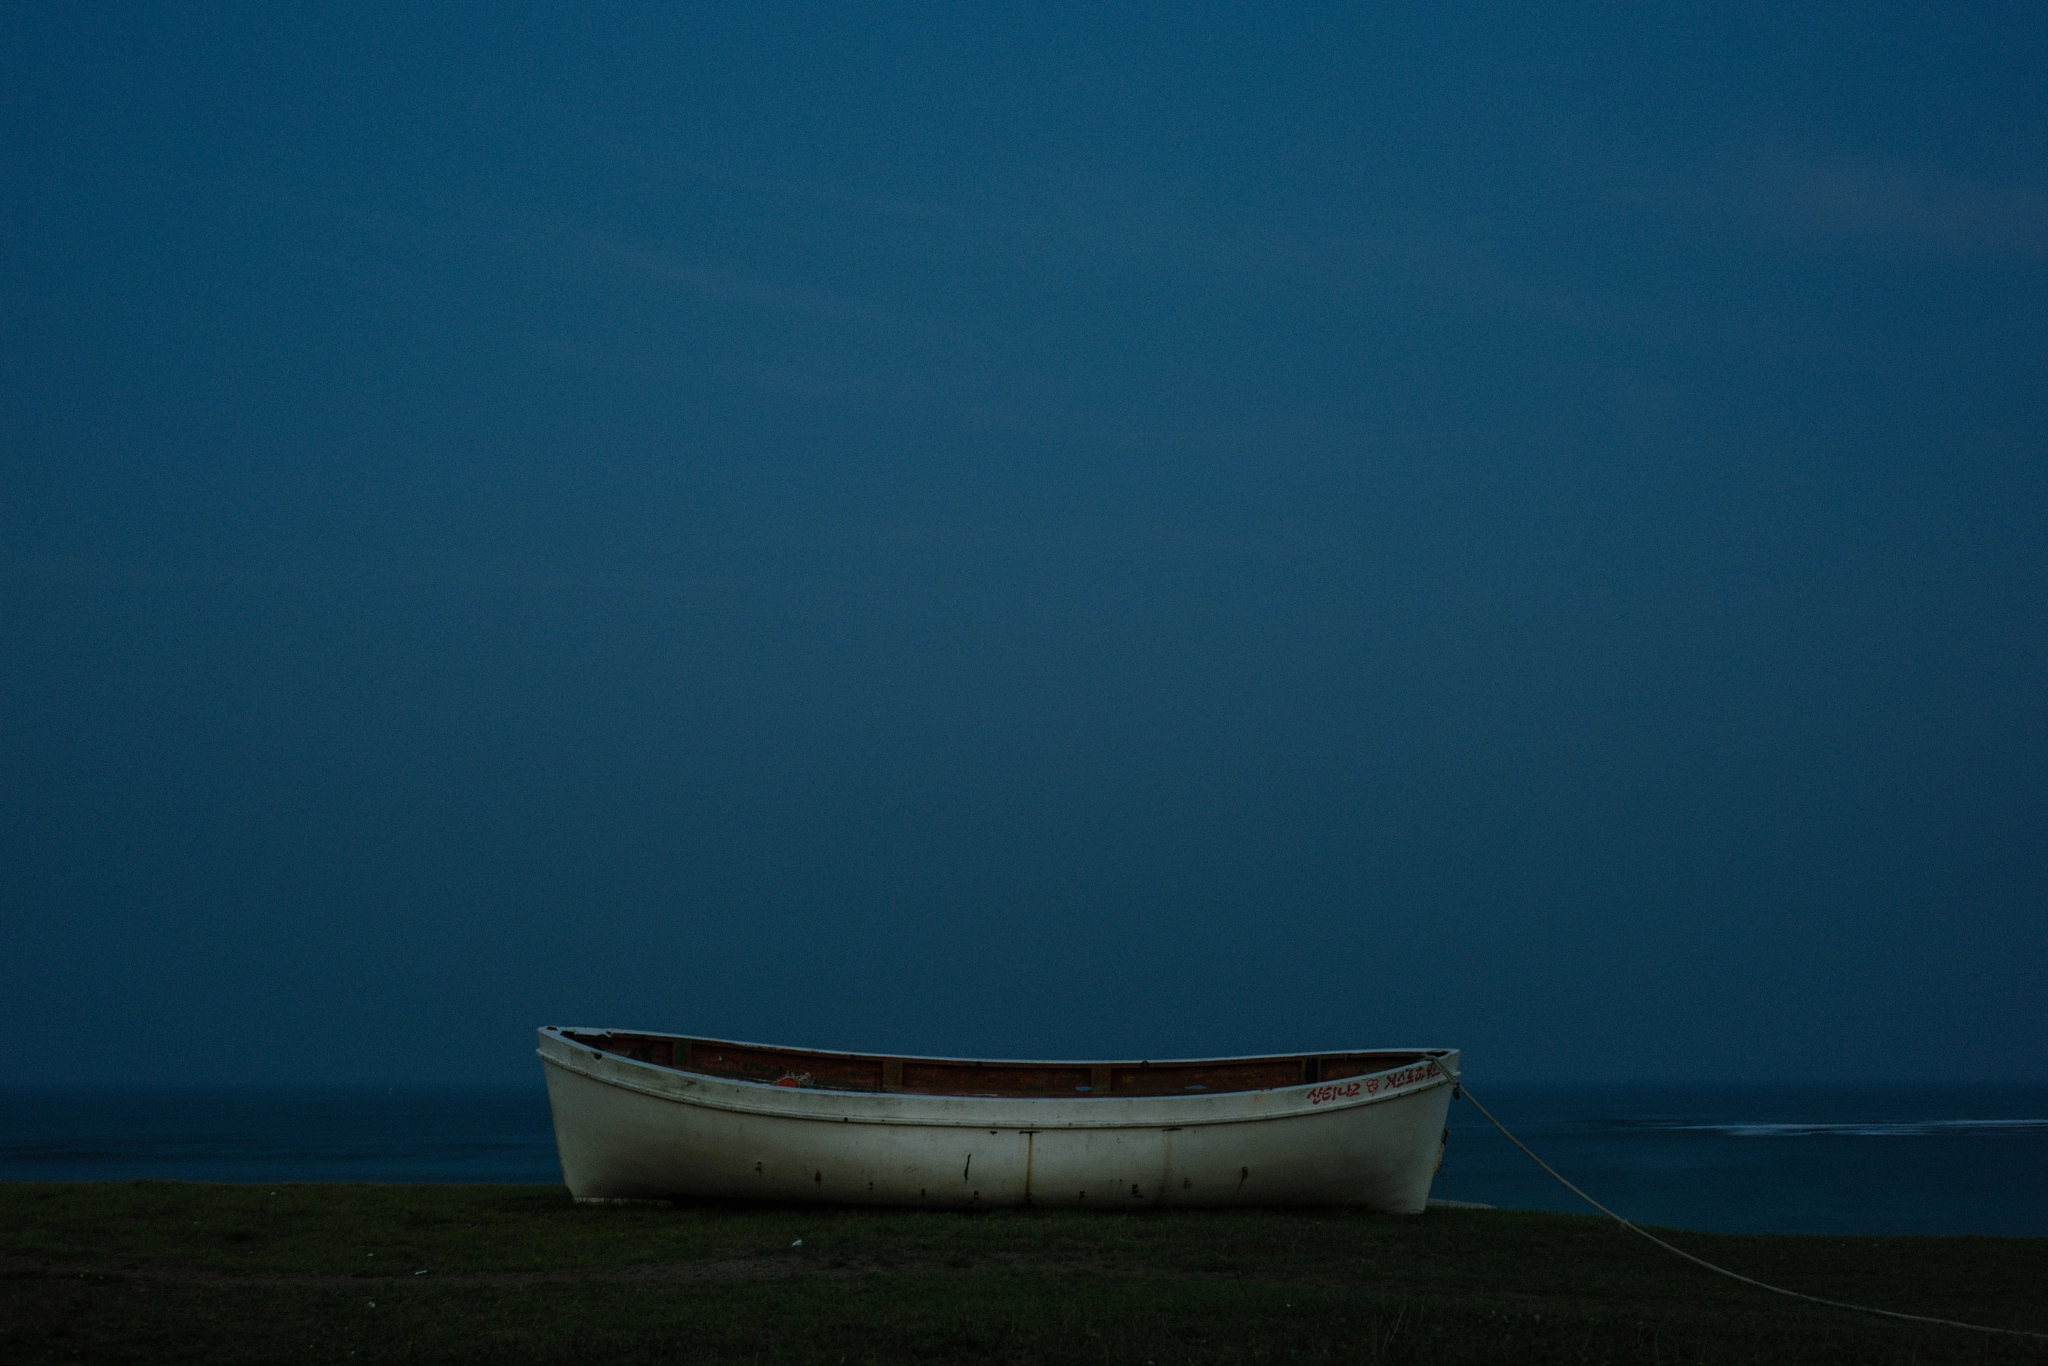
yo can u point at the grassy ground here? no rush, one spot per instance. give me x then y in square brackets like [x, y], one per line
[158, 1272]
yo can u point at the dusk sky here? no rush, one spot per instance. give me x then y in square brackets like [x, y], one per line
[1093, 531]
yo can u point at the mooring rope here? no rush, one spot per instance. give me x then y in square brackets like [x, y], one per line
[1458, 1089]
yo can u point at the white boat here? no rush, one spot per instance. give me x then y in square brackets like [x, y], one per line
[642, 1116]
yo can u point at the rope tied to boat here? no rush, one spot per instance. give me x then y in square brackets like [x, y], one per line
[1458, 1089]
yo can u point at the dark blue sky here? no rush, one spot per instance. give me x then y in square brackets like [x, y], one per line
[1024, 531]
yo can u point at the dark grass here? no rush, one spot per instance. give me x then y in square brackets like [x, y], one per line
[154, 1271]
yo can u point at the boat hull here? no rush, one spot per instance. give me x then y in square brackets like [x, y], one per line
[632, 1131]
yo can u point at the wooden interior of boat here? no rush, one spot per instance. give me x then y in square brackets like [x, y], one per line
[959, 1077]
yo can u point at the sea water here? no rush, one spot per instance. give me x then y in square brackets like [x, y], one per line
[1893, 1159]
[463, 1134]
[1765, 1159]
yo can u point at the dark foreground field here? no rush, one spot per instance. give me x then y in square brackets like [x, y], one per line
[169, 1272]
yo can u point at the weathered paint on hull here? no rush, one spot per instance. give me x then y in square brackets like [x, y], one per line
[629, 1130]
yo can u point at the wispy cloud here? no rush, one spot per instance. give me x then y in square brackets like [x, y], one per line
[1895, 202]
[726, 283]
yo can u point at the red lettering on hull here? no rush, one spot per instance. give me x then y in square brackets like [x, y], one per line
[1372, 1086]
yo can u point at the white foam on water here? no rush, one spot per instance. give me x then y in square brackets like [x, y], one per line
[1867, 1129]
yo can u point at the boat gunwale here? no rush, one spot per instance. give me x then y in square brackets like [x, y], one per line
[565, 1031]
[1168, 1110]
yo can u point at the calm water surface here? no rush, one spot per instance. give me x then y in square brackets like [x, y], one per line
[1751, 1159]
